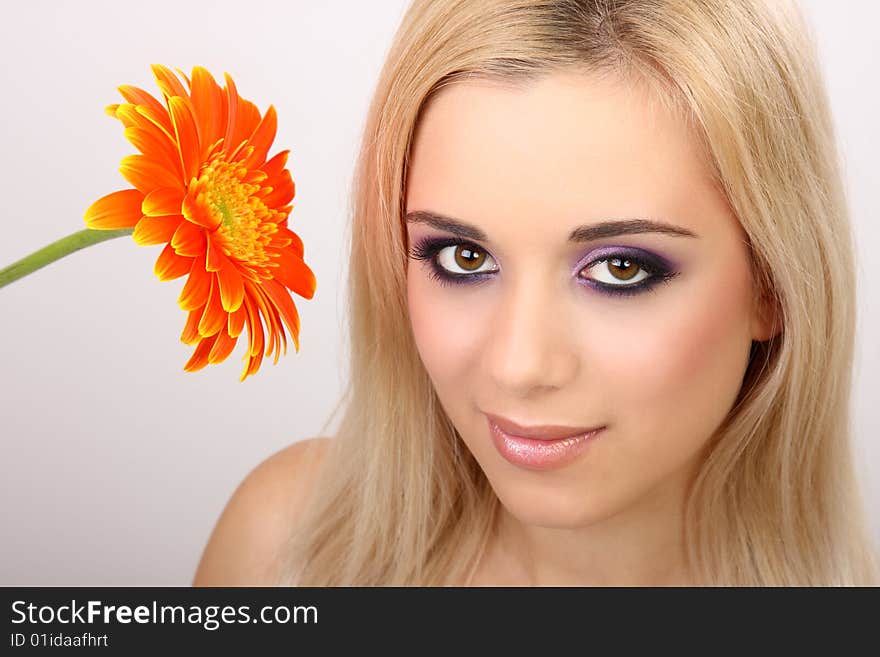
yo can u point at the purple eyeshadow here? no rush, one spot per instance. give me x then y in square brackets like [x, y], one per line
[640, 256]
[660, 269]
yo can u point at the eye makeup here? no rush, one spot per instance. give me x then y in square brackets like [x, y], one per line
[611, 259]
[658, 269]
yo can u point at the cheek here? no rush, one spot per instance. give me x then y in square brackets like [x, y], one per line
[444, 332]
[675, 368]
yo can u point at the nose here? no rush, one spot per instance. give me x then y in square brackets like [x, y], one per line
[530, 345]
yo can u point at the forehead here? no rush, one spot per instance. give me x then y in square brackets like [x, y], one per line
[568, 148]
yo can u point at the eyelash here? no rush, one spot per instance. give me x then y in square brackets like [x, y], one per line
[428, 249]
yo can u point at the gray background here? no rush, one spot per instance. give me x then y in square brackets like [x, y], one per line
[115, 463]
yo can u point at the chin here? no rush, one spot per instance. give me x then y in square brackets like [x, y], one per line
[552, 509]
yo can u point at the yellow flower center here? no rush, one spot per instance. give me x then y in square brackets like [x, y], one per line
[233, 195]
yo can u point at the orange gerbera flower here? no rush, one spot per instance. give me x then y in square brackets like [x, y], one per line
[204, 188]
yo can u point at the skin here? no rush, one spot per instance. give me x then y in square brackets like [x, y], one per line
[660, 370]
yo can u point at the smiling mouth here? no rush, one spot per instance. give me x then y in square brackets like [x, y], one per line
[541, 453]
[547, 432]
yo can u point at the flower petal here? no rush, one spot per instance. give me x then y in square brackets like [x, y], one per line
[156, 230]
[283, 192]
[137, 96]
[252, 366]
[282, 342]
[284, 238]
[213, 318]
[247, 120]
[209, 108]
[281, 215]
[252, 362]
[283, 301]
[169, 265]
[185, 79]
[254, 176]
[167, 81]
[159, 150]
[222, 348]
[139, 116]
[195, 211]
[274, 166]
[187, 137]
[158, 119]
[197, 287]
[242, 152]
[216, 259]
[232, 104]
[189, 239]
[146, 174]
[231, 286]
[262, 138]
[163, 201]
[270, 316]
[190, 334]
[294, 273]
[200, 357]
[235, 323]
[125, 112]
[255, 327]
[120, 209]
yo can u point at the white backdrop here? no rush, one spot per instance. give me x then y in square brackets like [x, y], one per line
[114, 463]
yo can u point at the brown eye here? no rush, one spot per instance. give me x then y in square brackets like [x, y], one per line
[622, 269]
[618, 272]
[466, 259]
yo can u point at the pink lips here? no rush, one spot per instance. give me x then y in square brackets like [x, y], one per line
[539, 447]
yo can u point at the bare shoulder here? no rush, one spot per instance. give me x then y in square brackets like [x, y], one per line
[243, 547]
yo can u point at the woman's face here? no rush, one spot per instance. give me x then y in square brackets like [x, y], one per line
[643, 332]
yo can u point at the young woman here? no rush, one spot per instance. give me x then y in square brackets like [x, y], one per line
[602, 315]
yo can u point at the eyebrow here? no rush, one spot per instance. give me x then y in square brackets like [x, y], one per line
[586, 233]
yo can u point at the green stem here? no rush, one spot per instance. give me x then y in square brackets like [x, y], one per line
[57, 250]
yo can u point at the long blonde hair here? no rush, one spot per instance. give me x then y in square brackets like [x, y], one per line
[400, 499]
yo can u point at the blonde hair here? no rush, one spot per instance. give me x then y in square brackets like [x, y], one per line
[400, 499]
